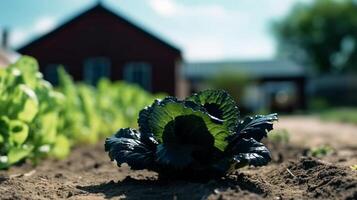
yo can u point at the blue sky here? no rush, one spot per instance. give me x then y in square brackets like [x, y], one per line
[203, 29]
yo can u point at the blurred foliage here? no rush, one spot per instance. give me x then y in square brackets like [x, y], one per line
[279, 136]
[347, 115]
[321, 151]
[37, 120]
[234, 83]
[322, 33]
[29, 113]
[318, 104]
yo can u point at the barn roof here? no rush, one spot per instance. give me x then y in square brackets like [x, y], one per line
[258, 69]
[100, 7]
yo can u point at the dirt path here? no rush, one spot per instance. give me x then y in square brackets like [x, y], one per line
[88, 174]
[311, 131]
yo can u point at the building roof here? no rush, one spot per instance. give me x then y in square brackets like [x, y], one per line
[100, 7]
[257, 69]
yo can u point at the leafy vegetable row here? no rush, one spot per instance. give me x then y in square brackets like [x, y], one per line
[37, 120]
[201, 135]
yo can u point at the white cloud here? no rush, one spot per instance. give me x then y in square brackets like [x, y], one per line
[41, 26]
[164, 7]
[200, 49]
[212, 30]
[281, 8]
[218, 48]
[251, 48]
[17, 37]
[171, 8]
[44, 24]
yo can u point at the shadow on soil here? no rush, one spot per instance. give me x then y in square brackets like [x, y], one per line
[2, 179]
[131, 188]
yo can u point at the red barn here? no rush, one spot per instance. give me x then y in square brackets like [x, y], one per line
[100, 43]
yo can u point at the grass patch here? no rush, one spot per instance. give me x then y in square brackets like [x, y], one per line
[346, 115]
[279, 136]
[321, 151]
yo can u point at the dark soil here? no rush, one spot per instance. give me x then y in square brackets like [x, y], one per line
[88, 174]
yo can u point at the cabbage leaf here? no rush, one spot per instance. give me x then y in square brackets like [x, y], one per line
[198, 135]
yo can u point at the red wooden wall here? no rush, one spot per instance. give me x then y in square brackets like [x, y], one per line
[100, 32]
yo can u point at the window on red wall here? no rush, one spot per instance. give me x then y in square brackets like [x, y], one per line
[138, 73]
[96, 68]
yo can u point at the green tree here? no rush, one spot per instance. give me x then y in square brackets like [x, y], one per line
[322, 34]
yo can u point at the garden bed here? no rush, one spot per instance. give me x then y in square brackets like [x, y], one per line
[88, 174]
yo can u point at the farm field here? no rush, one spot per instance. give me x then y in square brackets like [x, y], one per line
[88, 173]
[181, 100]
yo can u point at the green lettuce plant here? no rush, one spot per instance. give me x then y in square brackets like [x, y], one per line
[38, 120]
[29, 109]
